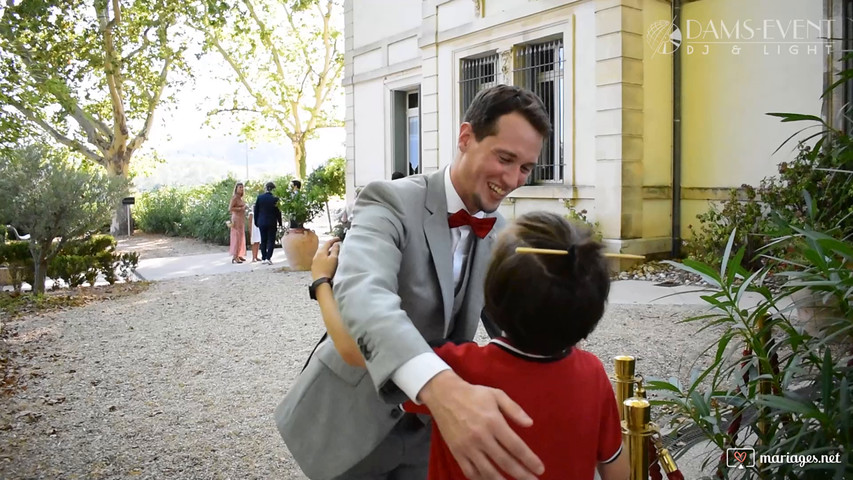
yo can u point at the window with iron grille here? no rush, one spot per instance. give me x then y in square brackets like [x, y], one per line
[539, 68]
[476, 74]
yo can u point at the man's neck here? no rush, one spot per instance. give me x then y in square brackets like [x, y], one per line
[454, 183]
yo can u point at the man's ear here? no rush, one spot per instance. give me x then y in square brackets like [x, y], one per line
[466, 134]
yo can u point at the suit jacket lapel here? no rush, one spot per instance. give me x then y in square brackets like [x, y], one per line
[438, 237]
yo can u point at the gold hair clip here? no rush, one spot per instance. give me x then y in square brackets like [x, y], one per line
[549, 251]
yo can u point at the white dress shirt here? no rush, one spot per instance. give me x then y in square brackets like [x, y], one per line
[414, 374]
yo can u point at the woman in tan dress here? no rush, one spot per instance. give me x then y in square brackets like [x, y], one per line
[238, 225]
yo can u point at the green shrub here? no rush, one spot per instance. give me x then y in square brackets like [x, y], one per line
[106, 263]
[78, 262]
[91, 246]
[580, 216]
[744, 216]
[207, 211]
[71, 269]
[15, 251]
[825, 173]
[161, 210]
[300, 206]
[16, 256]
[126, 264]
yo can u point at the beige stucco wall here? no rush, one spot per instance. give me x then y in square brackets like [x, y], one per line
[728, 139]
[657, 134]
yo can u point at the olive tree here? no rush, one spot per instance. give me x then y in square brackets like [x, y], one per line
[43, 193]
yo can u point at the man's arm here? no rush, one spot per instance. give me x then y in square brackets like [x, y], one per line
[366, 287]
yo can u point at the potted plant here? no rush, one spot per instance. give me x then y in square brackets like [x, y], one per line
[299, 206]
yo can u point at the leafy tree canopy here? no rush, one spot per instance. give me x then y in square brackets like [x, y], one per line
[286, 58]
[88, 73]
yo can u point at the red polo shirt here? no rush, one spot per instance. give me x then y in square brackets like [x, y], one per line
[569, 397]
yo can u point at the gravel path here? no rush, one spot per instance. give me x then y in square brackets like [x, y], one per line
[181, 380]
[153, 245]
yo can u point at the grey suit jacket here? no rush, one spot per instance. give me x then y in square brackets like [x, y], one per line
[394, 286]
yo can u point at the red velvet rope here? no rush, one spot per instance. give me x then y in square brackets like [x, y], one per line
[654, 466]
[676, 475]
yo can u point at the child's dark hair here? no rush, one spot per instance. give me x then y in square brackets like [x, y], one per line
[546, 303]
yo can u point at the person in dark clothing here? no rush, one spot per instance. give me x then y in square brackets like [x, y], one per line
[267, 218]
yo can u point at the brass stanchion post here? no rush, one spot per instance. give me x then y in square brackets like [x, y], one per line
[637, 429]
[624, 366]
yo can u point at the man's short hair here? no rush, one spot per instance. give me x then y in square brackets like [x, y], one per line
[492, 103]
[297, 184]
[269, 186]
[397, 175]
[546, 303]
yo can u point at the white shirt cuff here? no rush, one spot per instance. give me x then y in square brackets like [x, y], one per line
[414, 374]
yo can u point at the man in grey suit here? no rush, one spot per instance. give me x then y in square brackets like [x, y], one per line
[411, 272]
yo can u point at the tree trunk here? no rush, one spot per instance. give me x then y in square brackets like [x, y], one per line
[40, 266]
[299, 157]
[329, 216]
[118, 165]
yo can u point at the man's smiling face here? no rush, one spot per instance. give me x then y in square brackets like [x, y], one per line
[489, 169]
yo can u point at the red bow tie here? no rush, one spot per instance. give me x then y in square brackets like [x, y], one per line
[481, 226]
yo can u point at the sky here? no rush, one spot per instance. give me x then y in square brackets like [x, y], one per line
[196, 153]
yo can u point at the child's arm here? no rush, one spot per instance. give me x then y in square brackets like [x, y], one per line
[612, 451]
[617, 469]
[324, 265]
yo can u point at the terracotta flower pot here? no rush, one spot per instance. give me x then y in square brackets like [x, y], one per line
[300, 245]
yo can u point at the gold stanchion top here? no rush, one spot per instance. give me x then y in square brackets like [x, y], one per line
[638, 413]
[624, 366]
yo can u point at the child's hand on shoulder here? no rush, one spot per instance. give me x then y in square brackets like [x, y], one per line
[326, 260]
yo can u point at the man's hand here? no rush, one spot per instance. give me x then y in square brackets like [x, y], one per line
[471, 420]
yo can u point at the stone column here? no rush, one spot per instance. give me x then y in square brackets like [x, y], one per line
[429, 87]
[349, 114]
[619, 119]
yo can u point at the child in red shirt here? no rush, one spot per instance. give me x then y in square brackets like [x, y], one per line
[545, 303]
